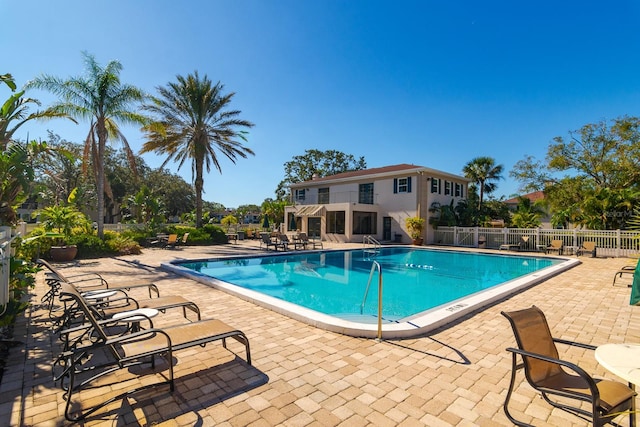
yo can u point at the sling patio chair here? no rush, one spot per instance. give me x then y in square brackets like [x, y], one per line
[122, 302]
[625, 269]
[515, 246]
[112, 305]
[563, 380]
[89, 363]
[308, 242]
[587, 247]
[555, 246]
[87, 282]
[268, 242]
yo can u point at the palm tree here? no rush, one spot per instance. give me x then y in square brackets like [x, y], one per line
[482, 171]
[104, 101]
[193, 122]
[14, 112]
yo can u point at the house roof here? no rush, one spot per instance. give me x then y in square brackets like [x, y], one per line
[535, 196]
[381, 171]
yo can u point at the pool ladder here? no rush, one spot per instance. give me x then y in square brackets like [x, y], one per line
[371, 247]
[375, 266]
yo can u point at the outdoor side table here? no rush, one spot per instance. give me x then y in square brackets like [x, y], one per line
[622, 360]
[135, 317]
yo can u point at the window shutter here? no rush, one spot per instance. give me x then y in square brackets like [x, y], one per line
[409, 184]
[395, 185]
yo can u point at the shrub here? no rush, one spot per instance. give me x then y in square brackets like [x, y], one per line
[35, 245]
[197, 236]
[123, 245]
[217, 234]
[91, 246]
[139, 236]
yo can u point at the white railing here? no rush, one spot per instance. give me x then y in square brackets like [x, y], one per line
[5, 263]
[370, 246]
[613, 243]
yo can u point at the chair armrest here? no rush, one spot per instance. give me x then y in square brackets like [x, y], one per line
[572, 366]
[575, 344]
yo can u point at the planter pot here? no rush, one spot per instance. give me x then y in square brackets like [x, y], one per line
[418, 241]
[63, 253]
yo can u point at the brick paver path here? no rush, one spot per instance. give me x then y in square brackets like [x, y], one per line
[303, 376]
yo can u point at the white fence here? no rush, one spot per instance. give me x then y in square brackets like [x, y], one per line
[609, 243]
[5, 258]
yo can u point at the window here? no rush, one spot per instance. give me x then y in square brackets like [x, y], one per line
[364, 222]
[365, 194]
[435, 185]
[299, 194]
[447, 188]
[459, 190]
[335, 222]
[402, 185]
[323, 196]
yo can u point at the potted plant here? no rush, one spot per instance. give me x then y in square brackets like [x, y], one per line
[59, 222]
[415, 226]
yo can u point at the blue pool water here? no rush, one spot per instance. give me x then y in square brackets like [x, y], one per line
[334, 283]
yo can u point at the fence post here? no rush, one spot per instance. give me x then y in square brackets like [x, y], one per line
[455, 235]
[505, 235]
[5, 258]
[618, 242]
[475, 236]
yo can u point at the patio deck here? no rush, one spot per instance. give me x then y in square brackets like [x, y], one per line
[303, 376]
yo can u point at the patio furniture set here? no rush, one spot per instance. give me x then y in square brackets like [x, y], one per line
[105, 332]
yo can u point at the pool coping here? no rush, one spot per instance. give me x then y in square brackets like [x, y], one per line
[412, 326]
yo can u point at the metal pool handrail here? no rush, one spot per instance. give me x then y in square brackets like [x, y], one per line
[375, 266]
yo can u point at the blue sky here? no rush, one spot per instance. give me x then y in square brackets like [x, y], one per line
[433, 83]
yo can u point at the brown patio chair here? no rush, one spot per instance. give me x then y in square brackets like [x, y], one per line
[625, 269]
[555, 246]
[171, 242]
[85, 282]
[587, 247]
[183, 241]
[550, 376]
[268, 242]
[102, 354]
[308, 242]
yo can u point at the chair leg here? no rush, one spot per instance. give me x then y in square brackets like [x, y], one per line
[514, 368]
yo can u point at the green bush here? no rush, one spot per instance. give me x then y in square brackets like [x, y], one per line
[35, 245]
[122, 245]
[91, 246]
[197, 236]
[140, 236]
[217, 234]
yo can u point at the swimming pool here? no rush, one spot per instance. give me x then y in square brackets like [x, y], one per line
[422, 288]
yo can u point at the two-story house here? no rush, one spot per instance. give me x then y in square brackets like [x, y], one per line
[347, 206]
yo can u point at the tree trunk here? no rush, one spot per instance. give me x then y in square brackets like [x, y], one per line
[102, 140]
[199, 183]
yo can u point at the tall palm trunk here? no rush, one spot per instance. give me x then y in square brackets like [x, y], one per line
[199, 184]
[102, 142]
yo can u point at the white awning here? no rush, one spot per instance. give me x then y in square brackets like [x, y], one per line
[310, 210]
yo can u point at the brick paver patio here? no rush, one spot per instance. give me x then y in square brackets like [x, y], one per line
[303, 376]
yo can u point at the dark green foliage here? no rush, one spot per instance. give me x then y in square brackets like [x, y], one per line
[91, 246]
[22, 279]
[216, 233]
[319, 163]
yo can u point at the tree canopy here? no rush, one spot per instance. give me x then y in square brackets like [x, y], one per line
[317, 163]
[591, 178]
[193, 122]
[105, 102]
[483, 171]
